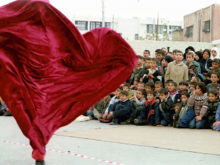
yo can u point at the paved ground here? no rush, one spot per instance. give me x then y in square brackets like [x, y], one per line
[94, 143]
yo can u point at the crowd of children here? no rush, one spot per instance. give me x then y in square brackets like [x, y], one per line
[173, 89]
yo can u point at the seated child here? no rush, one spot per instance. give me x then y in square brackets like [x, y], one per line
[149, 86]
[113, 100]
[216, 124]
[173, 92]
[212, 107]
[214, 85]
[180, 118]
[199, 102]
[138, 101]
[158, 85]
[147, 114]
[183, 86]
[121, 110]
[163, 116]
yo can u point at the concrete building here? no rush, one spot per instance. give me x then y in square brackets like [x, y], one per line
[131, 28]
[203, 25]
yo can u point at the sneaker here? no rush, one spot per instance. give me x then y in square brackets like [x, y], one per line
[7, 113]
[40, 162]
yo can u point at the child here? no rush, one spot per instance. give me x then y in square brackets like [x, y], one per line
[180, 112]
[121, 110]
[163, 115]
[183, 86]
[147, 115]
[199, 102]
[192, 87]
[214, 82]
[153, 75]
[140, 85]
[212, 107]
[127, 89]
[149, 86]
[113, 100]
[158, 86]
[193, 68]
[138, 101]
[173, 92]
[177, 70]
[146, 54]
[145, 70]
[216, 125]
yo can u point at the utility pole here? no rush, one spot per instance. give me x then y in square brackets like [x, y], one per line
[103, 13]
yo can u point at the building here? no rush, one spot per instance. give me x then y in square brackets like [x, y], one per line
[203, 25]
[131, 28]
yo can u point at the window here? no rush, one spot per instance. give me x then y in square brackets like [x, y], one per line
[173, 28]
[108, 24]
[94, 25]
[82, 25]
[150, 28]
[206, 27]
[136, 36]
[189, 31]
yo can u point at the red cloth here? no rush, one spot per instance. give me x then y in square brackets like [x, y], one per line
[50, 73]
[147, 103]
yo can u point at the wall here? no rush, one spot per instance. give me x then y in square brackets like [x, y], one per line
[140, 46]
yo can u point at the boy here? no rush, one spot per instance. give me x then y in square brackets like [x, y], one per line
[177, 70]
[183, 86]
[144, 71]
[214, 82]
[149, 86]
[181, 112]
[147, 114]
[163, 117]
[173, 92]
[121, 110]
[194, 68]
[212, 107]
[153, 75]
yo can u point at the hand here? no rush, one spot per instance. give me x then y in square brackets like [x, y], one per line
[216, 123]
[198, 118]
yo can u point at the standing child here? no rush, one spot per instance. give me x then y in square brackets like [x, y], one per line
[199, 102]
[147, 115]
[177, 70]
[193, 67]
[163, 117]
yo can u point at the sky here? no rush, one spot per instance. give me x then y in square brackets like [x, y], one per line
[168, 9]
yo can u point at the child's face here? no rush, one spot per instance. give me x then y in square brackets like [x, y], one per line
[171, 87]
[179, 57]
[198, 91]
[140, 62]
[192, 88]
[117, 93]
[123, 97]
[140, 86]
[176, 107]
[148, 63]
[158, 56]
[146, 54]
[162, 96]
[148, 88]
[215, 65]
[212, 97]
[150, 97]
[189, 58]
[184, 99]
[153, 64]
[157, 87]
[214, 78]
[183, 87]
[214, 53]
[125, 88]
[205, 55]
[139, 95]
[196, 57]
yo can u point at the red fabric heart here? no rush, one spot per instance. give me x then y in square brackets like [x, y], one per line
[50, 73]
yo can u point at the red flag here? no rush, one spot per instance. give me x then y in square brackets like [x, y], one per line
[50, 73]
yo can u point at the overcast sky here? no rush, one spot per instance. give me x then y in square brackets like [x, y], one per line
[169, 9]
